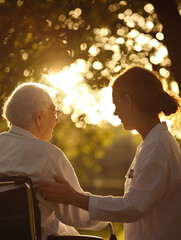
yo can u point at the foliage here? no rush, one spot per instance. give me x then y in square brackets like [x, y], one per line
[42, 36]
[84, 147]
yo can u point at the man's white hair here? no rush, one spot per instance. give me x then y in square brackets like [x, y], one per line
[21, 106]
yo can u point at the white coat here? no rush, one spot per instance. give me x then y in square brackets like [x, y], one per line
[151, 205]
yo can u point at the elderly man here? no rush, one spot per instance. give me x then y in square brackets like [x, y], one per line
[32, 116]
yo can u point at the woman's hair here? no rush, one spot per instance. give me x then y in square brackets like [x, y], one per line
[21, 106]
[146, 90]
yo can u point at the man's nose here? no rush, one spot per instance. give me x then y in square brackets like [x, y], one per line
[57, 120]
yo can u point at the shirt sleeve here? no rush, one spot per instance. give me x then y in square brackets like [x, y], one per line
[69, 214]
[145, 188]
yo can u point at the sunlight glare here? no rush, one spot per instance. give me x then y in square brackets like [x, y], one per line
[159, 56]
[97, 65]
[77, 98]
[160, 36]
[149, 8]
[64, 80]
[93, 50]
[75, 13]
[123, 3]
[162, 51]
[142, 39]
[80, 65]
[149, 25]
[133, 33]
[121, 16]
[154, 43]
[120, 40]
[107, 107]
[174, 87]
[138, 47]
[83, 46]
[164, 73]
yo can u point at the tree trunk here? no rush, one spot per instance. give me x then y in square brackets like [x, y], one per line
[171, 20]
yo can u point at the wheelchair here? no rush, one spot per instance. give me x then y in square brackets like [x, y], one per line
[20, 214]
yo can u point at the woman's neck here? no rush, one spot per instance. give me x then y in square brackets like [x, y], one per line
[145, 124]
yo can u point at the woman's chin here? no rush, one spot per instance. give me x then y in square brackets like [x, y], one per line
[127, 127]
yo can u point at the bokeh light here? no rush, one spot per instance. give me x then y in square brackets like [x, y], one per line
[94, 106]
[102, 51]
[75, 97]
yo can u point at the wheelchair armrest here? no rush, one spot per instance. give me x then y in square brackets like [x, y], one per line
[74, 237]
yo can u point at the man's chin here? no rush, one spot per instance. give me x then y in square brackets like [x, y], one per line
[47, 138]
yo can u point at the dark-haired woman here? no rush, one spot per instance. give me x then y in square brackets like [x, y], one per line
[151, 205]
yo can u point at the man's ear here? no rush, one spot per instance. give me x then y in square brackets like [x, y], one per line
[38, 118]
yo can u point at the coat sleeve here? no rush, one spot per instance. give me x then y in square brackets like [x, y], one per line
[145, 188]
[69, 214]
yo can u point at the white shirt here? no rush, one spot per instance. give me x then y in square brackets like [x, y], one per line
[21, 153]
[151, 205]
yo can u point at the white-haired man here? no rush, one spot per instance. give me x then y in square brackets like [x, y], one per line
[31, 116]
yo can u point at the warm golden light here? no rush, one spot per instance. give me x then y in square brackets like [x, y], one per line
[97, 65]
[149, 8]
[174, 87]
[93, 50]
[154, 43]
[77, 98]
[164, 73]
[149, 25]
[160, 36]
[142, 39]
[95, 106]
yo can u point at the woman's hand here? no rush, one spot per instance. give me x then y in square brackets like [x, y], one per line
[59, 191]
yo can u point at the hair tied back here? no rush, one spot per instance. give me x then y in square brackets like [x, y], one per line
[170, 104]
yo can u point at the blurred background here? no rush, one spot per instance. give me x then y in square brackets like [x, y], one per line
[78, 47]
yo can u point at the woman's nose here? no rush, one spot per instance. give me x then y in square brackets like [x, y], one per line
[115, 112]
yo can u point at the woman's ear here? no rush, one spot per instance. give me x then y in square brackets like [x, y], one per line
[128, 100]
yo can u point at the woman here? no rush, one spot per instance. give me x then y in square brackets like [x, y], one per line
[151, 205]
[32, 116]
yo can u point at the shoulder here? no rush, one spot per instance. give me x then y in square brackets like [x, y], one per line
[4, 134]
[159, 147]
[48, 147]
[56, 158]
[51, 154]
[160, 137]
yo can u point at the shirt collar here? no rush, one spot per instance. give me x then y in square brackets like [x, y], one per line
[162, 126]
[21, 131]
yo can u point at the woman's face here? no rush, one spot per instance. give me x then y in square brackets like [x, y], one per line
[48, 122]
[123, 110]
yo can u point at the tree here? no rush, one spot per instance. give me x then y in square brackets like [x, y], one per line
[39, 36]
[171, 20]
